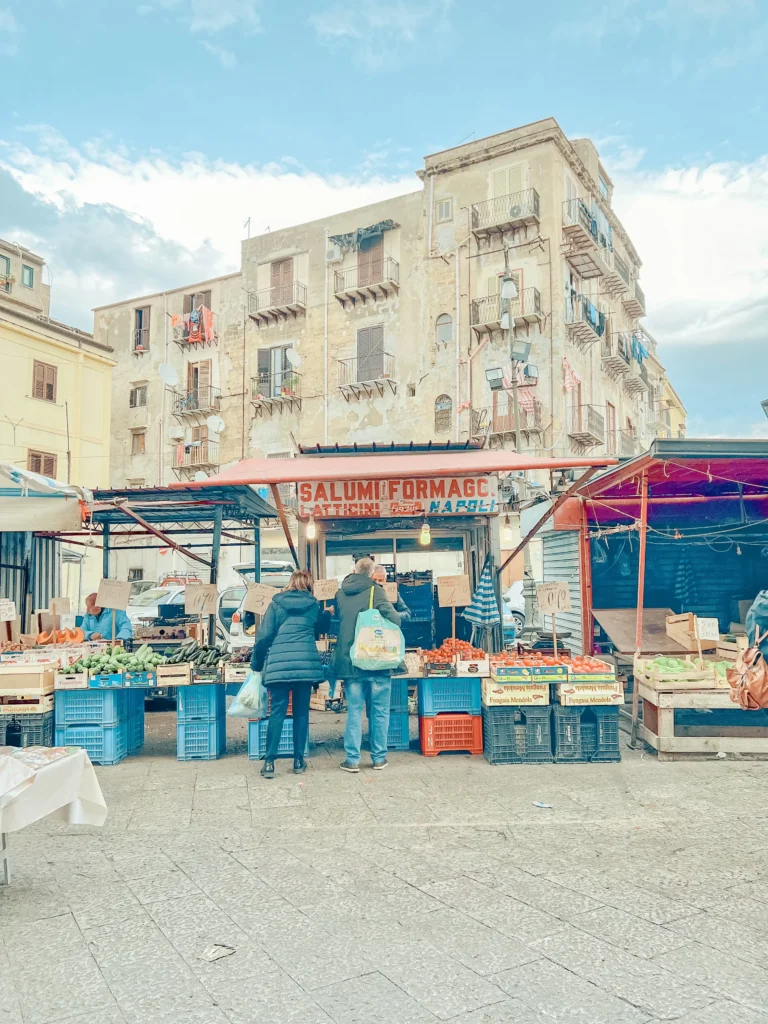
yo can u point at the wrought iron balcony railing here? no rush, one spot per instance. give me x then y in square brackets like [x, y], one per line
[285, 385]
[586, 424]
[377, 366]
[378, 272]
[196, 453]
[503, 211]
[281, 297]
[205, 399]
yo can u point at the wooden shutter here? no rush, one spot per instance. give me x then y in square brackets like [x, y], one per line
[499, 182]
[191, 382]
[370, 353]
[34, 462]
[49, 465]
[263, 364]
[204, 382]
[282, 282]
[50, 383]
[515, 176]
[205, 299]
[188, 299]
[132, 399]
[370, 260]
[39, 382]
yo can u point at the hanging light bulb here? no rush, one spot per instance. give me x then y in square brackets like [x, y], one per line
[425, 537]
[507, 534]
[738, 549]
[311, 528]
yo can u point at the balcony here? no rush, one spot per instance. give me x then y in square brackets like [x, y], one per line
[585, 322]
[276, 305]
[375, 280]
[486, 312]
[656, 416]
[622, 269]
[616, 354]
[276, 392]
[615, 272]
[505, 213]
[6, 284]
[196, 454]
[628, 445]
[367, 377]
[140, 340]
[586, 425]
[187, 337]
[579, 227]
[634, 301]
[199, 400]
[498, 425]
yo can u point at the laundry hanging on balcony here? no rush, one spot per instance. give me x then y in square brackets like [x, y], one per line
[571, 379]
[194, 327]
[639, 351]
[352, 240]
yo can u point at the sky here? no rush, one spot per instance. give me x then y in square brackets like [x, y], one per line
[137, 138]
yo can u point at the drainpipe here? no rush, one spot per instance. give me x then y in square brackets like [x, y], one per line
[325, 344]
[160, 466]
[472, 355]
[458, 349]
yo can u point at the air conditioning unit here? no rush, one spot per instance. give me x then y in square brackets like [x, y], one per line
[333, 254]
[516, 211]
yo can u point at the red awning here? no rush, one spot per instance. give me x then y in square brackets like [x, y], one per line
[384, 467]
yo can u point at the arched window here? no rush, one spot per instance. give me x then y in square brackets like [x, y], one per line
[443, 411]
[444, 329]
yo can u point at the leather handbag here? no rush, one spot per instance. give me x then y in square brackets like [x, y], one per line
[749, 679]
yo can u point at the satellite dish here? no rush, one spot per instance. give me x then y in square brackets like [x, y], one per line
[293, 358]
[176, 433]
[215, 423]
[168, 374]
[200, 475]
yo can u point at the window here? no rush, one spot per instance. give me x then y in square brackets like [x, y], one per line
[197, 299]
[370, 260]
[610, 428]
[444, 329]
[41, 462]
[44, 381]
[370, 353]
[281, 276]
[5, 273]
[141, 329]
[137, 398]
[135, 574]
[443, 411]
[276, 375]
[444, 210]
[27, 276]
[138, 442]
[508, 181]
[411, 391]
[603, 187]
[199, 384]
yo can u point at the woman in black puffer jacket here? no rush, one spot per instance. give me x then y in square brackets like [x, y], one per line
[286, 654]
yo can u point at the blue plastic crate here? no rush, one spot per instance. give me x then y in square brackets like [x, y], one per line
[103, 744]
[201, 740]
[27, 730]
[454, 694]
[419, 597]
[257, 739]
[136, 699]
[398, 737]
[202, 702]
[135, 733]
[91, 707]
[517, 735]
[398, 697]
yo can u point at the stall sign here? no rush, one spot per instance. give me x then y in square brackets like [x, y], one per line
[553, 598]
[7, 610]
[453, 591]
[410, 496]
[708, 629]
[390, 589]
[113, 594]
[258, 598]
[201, 599]
[60, 606]
[325, 590]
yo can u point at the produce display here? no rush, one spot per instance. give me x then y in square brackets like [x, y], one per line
[530, 659]
[118, 660]
[451, 648]
[241, 656]
[60, 636]
[201, 655]
[7, 646]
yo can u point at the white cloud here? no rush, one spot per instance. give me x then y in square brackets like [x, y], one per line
[10, 33]
[212, 15]
[700, 232]
[225, 57]
[378, 33]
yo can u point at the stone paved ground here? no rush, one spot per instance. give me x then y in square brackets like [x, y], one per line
[434, 891]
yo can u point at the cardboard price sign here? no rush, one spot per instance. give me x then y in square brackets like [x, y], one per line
[453, 591]
[553, 598]
[707, 629]
[201, 599]
[113, 594]
[60, 606]
[258, 598]
[7, 610]
[390, 589]
[325, 590]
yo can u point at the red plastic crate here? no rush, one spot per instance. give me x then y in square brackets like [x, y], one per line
[269, 702]
[451, 732]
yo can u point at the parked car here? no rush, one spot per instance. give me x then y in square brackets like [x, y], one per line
[146, 604]
[231, 616]
[513, 611]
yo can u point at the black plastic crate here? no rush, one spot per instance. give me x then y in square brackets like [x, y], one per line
[27, 730]
[586, 734]
[517, 735]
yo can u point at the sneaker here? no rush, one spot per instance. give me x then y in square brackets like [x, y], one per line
[379, 766]
[268, 771]
[299, 766]
[347, 766]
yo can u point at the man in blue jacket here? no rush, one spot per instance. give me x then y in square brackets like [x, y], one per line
[97, 622]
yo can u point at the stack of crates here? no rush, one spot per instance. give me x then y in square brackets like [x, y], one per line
[450, 714]
[201, 723]
[418, 595]
[135, 720]
[257, 735]
[517, 735]
[28, 730]
[398, 737]
[586, 733]
[96, 720]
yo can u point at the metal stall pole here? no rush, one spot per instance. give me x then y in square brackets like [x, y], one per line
[214, 573]
[105, 553]
[640, 600]
[257, 552]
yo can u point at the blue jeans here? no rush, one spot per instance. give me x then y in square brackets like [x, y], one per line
[374, 687]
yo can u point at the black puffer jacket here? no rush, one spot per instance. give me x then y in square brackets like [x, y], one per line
[285, 649]
[353, 597]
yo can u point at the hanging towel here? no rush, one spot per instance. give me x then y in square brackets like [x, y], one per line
[208, 333]
[194, 327]
[176, 320]
[570, 377]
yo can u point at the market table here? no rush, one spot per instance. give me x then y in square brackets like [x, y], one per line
[58, 783]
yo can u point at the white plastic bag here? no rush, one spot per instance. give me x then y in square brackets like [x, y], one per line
[251, 700]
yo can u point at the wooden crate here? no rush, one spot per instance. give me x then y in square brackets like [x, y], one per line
[729, 649]
[658, 726]
[682, 629]
[694, 678]
[174, 675]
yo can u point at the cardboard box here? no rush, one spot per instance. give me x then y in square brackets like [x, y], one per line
[106, 680]
[71, 681]
[480, 667]
[235, 673]
[573, 694]
[26, 679]
[140, 680]
[550, 673]
[501, 673]
[174, 675]
[495, 694]
[438, 668]
[26, 704]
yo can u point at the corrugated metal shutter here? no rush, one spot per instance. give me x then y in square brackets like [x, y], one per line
[45, 568]
[561, 562]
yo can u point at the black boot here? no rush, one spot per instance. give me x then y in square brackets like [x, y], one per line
[299, 765]
[268, 771]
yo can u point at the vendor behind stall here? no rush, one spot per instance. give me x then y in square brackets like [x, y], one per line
[97, 622]
[380, 577]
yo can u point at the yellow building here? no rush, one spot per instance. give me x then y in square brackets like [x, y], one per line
[55, 385]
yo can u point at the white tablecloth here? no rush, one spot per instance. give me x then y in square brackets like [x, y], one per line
[63, 790]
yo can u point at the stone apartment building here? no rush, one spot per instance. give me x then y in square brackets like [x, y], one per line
[386, 323]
